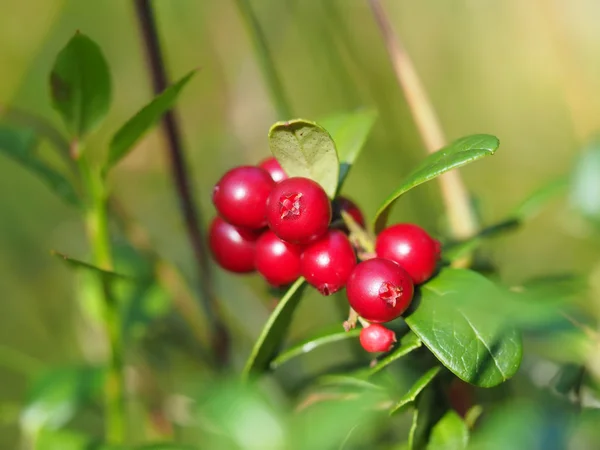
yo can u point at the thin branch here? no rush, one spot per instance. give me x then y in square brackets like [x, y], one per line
[179, 169]
[463, 223]
[265, 60]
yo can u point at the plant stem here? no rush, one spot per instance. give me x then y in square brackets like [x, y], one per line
[179, 169]
[98, 234]
[462, 220]
[265, 60]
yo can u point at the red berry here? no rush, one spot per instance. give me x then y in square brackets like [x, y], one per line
[232, 247]
[379, 290]
[328, 262]
[298, 210]
[411, 247]
[272, 166]
[276, 260]
[241, 195]
[377, 338]
[345, 204]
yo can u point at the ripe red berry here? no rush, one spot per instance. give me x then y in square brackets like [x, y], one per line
[232, 247]
[327, 263]
[272, 166]
[379, 290]
[276, 260]
[411, 247]
[241, 195]
[377, 338]
[298, 210]
[345, 204]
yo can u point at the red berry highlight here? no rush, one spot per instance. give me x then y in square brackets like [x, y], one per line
[298, 210]
[241, 195]
[377, 338]
[276, 260]
[232, 247]
[328, 262]
[345, 204]
[412, 247]
[272, 166]
[379, 290]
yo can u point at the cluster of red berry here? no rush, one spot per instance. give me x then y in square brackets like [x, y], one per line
[282, 227]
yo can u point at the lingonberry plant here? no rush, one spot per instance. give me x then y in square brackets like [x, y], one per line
[419, 324]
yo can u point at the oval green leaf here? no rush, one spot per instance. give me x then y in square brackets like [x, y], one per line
[312, 344]
[457, 318]
[412, 394]
[349, 132]
[457, 154]
[450, 433]
[80, 85]
[305, 149]
[274, 331]
[132, 131]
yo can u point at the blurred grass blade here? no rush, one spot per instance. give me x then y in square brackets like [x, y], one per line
[408, 343]
[457, 154]
[348, 381]
[274, 331]
[132, 131]
[77, 264]
[305, 149]
[533, 204]
[450, 433]
[311, 344]
[80, 85]
[415, 390]
[19, 145]
[473, 327]
[349, 132]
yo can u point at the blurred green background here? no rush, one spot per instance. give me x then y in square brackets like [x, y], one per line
[526, 71]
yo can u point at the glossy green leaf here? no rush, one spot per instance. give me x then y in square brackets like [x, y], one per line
[57, 395]
[428, 411]
[450, 433]
[408, 343]
[456, 318]
[313, 343]
[349, 132]
[19, 144]
[585, 183]
[80, 85]
[457, 154]
[132, 131]
[305, 149]
[274, 331]
[77, 264]
[412, 394]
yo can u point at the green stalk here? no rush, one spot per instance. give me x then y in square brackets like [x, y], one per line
[96, 222]
[265, 60]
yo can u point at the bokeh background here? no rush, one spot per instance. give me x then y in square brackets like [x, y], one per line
[526, 71]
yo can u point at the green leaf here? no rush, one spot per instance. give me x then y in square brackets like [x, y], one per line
[305, 149]
[412, 394]
[313, 343]
[354, 381]
[349, 132]
[534, 202]
[132, 131]
[77, 264]
[57, 395]
[80, 85]
[585, 187]
[19, 144]
[450, 433]
[408, 343]
[457, 154]
[428, 411]
[70, 440]
[166, 446]
[456, 318]
[274, 331]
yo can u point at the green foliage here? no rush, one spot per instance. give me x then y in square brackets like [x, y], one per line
[450, 433]
[585, 187]
[408, 343]
[80, 85]
[132, 131]
[416, 389]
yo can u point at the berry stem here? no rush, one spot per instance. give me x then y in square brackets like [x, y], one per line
[359, 236]
[180, 175]
[462, 220]
[265, 60]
